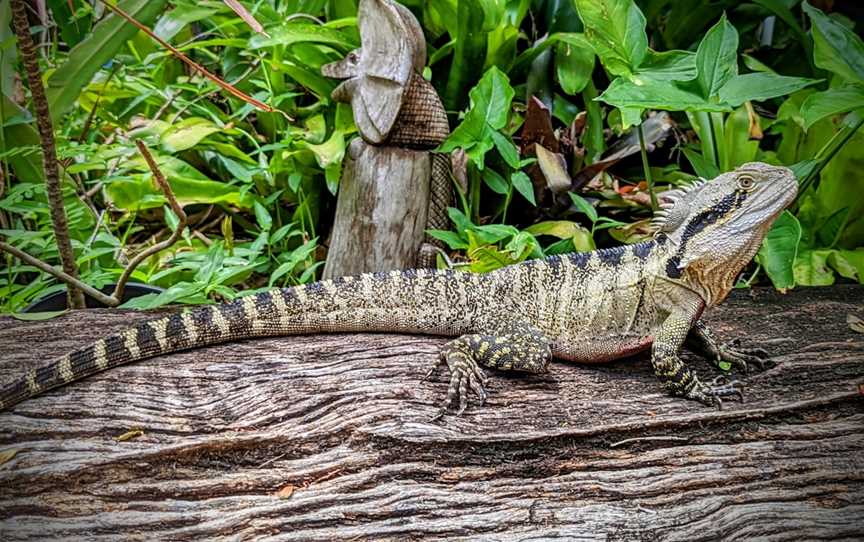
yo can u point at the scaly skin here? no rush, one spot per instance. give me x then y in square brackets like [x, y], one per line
[584, 307]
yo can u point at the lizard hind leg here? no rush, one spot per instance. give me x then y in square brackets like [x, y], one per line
[519, 347]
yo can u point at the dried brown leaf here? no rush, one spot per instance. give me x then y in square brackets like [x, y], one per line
[285, 492]
[855, 324]
[129, 435]
[8, 454]
[554, 168]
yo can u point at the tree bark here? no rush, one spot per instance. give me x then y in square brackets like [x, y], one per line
[326, 438]
[381, 210]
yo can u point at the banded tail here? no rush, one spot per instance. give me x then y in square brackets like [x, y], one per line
[413, 301]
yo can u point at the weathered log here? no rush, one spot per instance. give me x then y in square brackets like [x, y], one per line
[337, 424]
[381, 212]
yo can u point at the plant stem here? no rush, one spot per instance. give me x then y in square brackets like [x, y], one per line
[68, 279]
[592, 139]
[49, 150]
[644, 152]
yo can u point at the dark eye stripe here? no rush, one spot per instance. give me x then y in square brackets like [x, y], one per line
[701, 221]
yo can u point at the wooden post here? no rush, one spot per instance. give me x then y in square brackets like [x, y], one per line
[384, 199]
[381, 211]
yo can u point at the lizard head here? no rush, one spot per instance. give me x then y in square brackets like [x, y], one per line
[715, 227]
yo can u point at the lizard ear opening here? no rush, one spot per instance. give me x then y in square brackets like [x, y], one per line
[675, 206]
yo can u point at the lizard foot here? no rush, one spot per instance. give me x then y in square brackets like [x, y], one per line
[745, 358]
[464, 374]
[712, 394]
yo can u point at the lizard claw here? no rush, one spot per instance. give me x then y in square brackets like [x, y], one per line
[745, 358]
[713, 394]
[465, 374]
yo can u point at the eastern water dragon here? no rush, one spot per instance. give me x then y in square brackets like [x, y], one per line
[583, 307]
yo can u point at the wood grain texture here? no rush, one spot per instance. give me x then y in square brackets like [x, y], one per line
[381, 210]
[339, 423]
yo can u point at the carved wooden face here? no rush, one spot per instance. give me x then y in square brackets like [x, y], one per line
[376, 74]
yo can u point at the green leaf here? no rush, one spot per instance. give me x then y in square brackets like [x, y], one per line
[331, 152]
[811, 268]
[701, 166]
[522, 184]
[717, 58]
[562, 229]
[495, 181]
[832, 102]
[490, 99]
[583, 206]
[508, 150]
[27, 166]
[137, 192]
[451, 238]
[37, 316]
[668, 66]
[653, 94]
[291, 32]
[850, 259]
[616, 31]
[262, 216]
[186, 134]
[102, 44]
[573, 67]
[490, 106]
[761, 86]
[837, 48]
[779, 249]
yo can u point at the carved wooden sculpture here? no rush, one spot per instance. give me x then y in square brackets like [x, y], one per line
[392, 187]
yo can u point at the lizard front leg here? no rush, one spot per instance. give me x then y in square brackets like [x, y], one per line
[519, 347]
[669, 367]
[702, 341]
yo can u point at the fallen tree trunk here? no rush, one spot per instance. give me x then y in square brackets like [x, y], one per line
[326, 437]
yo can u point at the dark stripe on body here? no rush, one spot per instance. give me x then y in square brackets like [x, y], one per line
[580, 259]
[235, 315]
[611, 256]
[643, 250]
[146, 339]
[115, 348]
[176, 332]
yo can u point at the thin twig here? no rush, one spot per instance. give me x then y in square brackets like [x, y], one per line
[172, 202]
[68, 279]
[49, 150]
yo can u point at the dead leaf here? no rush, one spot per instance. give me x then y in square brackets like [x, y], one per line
[459, 166]
[7, 455]
[129, 435]
[554, 168]
[537, 128]
[755, 127]
[855, 324]
[285, 492]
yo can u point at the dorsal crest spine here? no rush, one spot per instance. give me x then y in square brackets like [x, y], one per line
[675, 206]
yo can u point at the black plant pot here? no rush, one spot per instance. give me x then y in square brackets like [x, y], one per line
[58, 302]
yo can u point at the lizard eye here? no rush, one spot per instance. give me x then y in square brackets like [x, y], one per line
[745, 182]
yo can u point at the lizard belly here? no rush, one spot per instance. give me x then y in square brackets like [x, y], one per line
[601, 349]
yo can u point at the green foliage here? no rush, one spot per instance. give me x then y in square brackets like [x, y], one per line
[259, 188]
